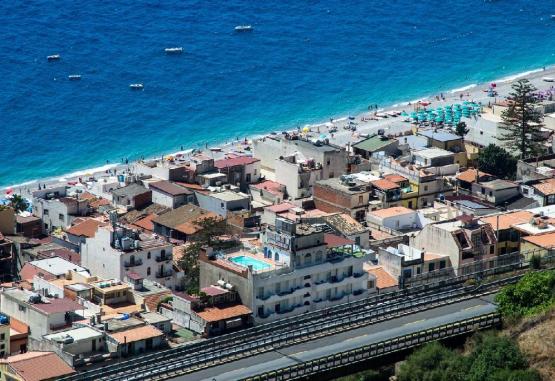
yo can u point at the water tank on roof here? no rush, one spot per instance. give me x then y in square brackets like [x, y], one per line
[124, 317]
[126, 243]
[4, 319]
[221, 282]
[229, 286]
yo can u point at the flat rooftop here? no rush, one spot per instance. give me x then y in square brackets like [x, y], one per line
[78, 334]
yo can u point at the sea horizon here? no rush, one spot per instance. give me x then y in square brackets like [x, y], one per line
[57, 128]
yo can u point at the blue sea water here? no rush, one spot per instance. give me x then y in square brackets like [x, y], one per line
[305, 61]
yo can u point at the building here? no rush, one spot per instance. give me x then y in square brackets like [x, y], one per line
[508, 238]
[467, 178]
[374, 144]
[380, 280]
[386, 193]
[268, 191]
[75, 343]
[50, 268]
[496, 192]
[541, 245]
[42, 315]
[5, 335]
[182, 222]
[7, 259]
[7, 220]
[349, 228]
[116, 250]
[219, 311]
[132, 196]
[396, 218]
[433, 157]
[222, 202]
[135, 340]
[332, 159]
[342, 195]
[298, 175]
[78, 233]
[158, 321]
[470, 246]
[170, 195]
[28, 226]
[447, 141]
[34, 366]
[543, 192]
[241, 171]
[294, 272]
[56, 209]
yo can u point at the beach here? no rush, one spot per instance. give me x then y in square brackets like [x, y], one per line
[365, 122]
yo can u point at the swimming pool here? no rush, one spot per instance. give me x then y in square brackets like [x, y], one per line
[246, 261]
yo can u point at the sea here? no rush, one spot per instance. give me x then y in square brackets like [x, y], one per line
[304, 62]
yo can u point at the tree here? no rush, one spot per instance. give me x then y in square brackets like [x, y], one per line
[461, 129]
[497, 161]
[530, 295]
[18, 203]
[208, 235]
[492, 353]
[433, 362]
[522, 121]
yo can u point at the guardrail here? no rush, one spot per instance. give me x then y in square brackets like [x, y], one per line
[379, 349]
[303, 327]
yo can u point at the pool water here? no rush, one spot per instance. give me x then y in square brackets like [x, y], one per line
[246, 261]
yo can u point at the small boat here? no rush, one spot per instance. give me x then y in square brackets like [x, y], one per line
[243, 28]
[136, 86]
[548, 79]
[53, 57]
[74, 77]
[176, 50]
[216, 149]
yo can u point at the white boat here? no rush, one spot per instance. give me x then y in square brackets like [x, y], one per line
[53, 57]
[548, 79]
[176, 50]
[244, 28]
[74, 77]
[136, 86]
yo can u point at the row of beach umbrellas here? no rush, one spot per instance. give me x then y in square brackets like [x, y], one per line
[450, 114]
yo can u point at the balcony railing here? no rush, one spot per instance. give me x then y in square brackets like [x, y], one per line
[164, 273]
[163, 258]
[136, 262]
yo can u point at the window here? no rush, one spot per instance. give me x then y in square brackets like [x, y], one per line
[148, 271]
[360, 199]
[328, 162]
[491, 249]
[442, 264]
[221, 205]
[22, 308]
[61, 217]
[431, 266]
[308, 259]
[148, 255]
[425, 188]
[163, 252]
[276, 257]
[3, 336]
[45, 212]
[371, 284]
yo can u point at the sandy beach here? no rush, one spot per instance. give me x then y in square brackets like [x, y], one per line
[365, 125]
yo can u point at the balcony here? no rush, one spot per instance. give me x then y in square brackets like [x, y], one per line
[163, 258]
[164, 274]
[358, 275]
[136, 262]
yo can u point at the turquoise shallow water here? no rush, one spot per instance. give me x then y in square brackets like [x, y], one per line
[304, 62]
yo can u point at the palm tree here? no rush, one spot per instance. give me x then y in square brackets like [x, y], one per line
[18, 203]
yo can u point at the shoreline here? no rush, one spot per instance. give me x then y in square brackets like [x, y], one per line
[472, 89]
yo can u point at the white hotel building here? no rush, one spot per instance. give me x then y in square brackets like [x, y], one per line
[293, 273]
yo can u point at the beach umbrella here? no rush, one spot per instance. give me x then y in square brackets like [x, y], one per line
[306, 129]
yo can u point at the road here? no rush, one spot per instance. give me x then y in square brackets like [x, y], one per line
[310, 350]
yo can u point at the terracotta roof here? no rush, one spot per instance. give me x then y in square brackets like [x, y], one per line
[133, 275]
[169, 188]
[282, 207]
[98, 203]
[433, 256]
[232, 162]
[334, 240]
[214, 290]
[383, 278]
[136, 334]
[546, 241]
[395, 178]
[146, 222]
[546, 187]
[270, 186]
[64, 253]
[177, 218]
[469, 175]
[384, 184]
[58, 306]
[36, 366]
[216, 314]
[87, 196]
[506, 220]
[391, 212]
[86, 228]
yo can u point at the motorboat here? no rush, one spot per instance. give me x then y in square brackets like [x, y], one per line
[136, 86]
[548, 79]
[74, 77]
[243, 28]
[53, 57]
[176, 50]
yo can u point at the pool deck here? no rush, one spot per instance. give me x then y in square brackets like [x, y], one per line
[256, 257]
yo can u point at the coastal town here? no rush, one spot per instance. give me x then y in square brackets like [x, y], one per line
[161, 254]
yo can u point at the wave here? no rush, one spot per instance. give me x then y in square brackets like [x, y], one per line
[464, 88]
[517, 76]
